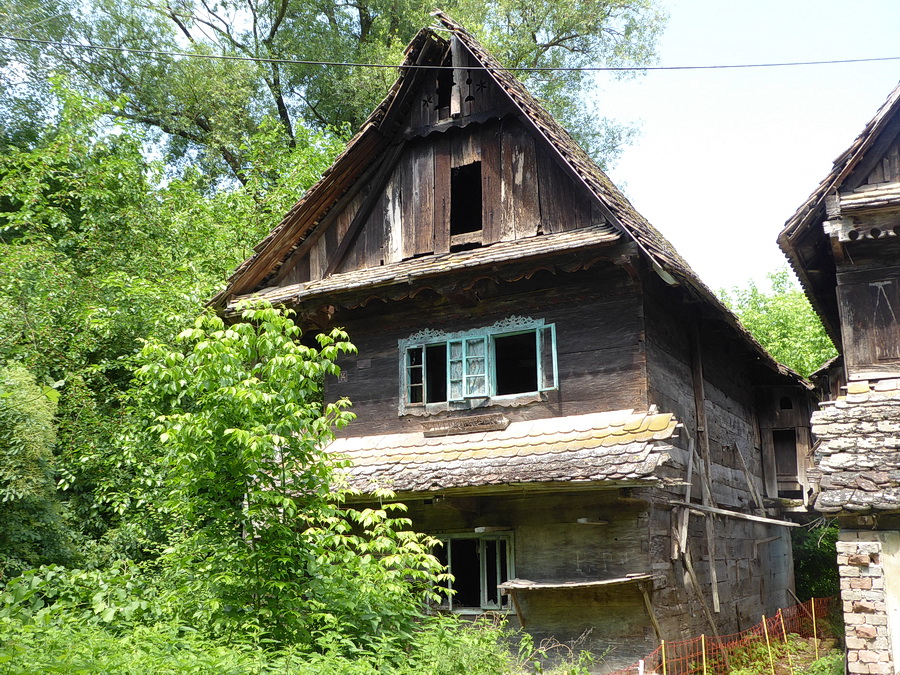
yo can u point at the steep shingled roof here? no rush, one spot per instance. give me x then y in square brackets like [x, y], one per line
[621, 447]
[379, 132]
[804, 231]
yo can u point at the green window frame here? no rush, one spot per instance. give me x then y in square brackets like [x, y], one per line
[494, 361]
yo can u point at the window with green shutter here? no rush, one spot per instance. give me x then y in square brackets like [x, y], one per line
[512, 357]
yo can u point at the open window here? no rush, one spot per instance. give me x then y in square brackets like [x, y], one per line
[508, 359]
[479, 564]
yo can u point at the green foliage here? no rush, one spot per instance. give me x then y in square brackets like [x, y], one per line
[756, 658]
[783, 322]
[207, 110]
[98, 252]
[833, 664]
[54, 595]
[815, 560]
[33, 528]
[259, 544]
[440, 646]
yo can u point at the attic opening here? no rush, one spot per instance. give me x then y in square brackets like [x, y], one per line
[444, 88]
[465, 199]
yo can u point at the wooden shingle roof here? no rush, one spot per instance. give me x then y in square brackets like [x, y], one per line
[382, 130]
[803, 239]
[409, 271]
[618, 447]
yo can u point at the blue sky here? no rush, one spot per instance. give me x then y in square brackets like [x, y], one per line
[725, 157]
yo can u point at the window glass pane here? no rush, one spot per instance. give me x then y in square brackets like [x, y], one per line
[504, 568]
[414, 375]
[547, 347]
[476, 367]
[490, 564]
[455, 370]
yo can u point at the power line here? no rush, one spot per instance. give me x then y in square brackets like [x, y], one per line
[346, 64]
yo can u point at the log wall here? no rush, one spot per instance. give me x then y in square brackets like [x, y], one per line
[549, 544]
[599, 339]
[524, 193]
[751, 562]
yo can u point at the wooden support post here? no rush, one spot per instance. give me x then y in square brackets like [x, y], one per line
[650, 611]
[709, 617]
[695, 582]
[699, 401]
[713, 571]
[515, 600]
[684, 515]
[754, 492]
[736, 514]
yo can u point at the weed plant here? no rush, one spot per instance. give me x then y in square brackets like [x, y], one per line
[442, 646]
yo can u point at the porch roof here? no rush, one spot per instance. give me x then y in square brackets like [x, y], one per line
[620, 446]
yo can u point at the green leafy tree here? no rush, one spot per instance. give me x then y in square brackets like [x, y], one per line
[33, 528]
[99, 251]
[259, 542]
[815, 560]
[209, 108]
[783, 321]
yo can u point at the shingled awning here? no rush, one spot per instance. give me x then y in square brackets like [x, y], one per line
[620, 447]
[859, 451]
[409, 271]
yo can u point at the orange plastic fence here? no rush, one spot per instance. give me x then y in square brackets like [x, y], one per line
[687, 657]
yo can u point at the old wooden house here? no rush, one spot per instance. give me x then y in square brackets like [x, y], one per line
[844, 244]
[541, 378]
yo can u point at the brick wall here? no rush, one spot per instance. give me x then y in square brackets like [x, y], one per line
[865, 603]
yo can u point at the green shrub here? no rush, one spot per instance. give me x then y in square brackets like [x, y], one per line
[440, 646]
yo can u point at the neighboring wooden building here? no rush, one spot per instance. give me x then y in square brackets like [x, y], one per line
[541, 378]
[844, 244]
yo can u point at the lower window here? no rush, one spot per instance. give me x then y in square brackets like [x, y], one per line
[479, 564]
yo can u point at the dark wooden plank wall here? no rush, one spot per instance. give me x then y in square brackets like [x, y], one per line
[473, 92]
[753, 570]
[524, 192]
[888, 169]
[730, 408]
[869, 298]
[550, 545]
[599, 323]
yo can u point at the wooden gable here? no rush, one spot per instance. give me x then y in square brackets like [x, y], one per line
[452, 181]
[845, 245]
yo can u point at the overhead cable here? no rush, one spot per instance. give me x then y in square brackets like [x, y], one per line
[347, 64]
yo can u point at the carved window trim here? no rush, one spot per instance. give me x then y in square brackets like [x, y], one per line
[471, 360]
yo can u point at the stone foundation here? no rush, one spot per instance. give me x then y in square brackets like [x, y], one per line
[865, 559]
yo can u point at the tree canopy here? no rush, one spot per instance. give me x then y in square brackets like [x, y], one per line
[207, 109]
[783, 321]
